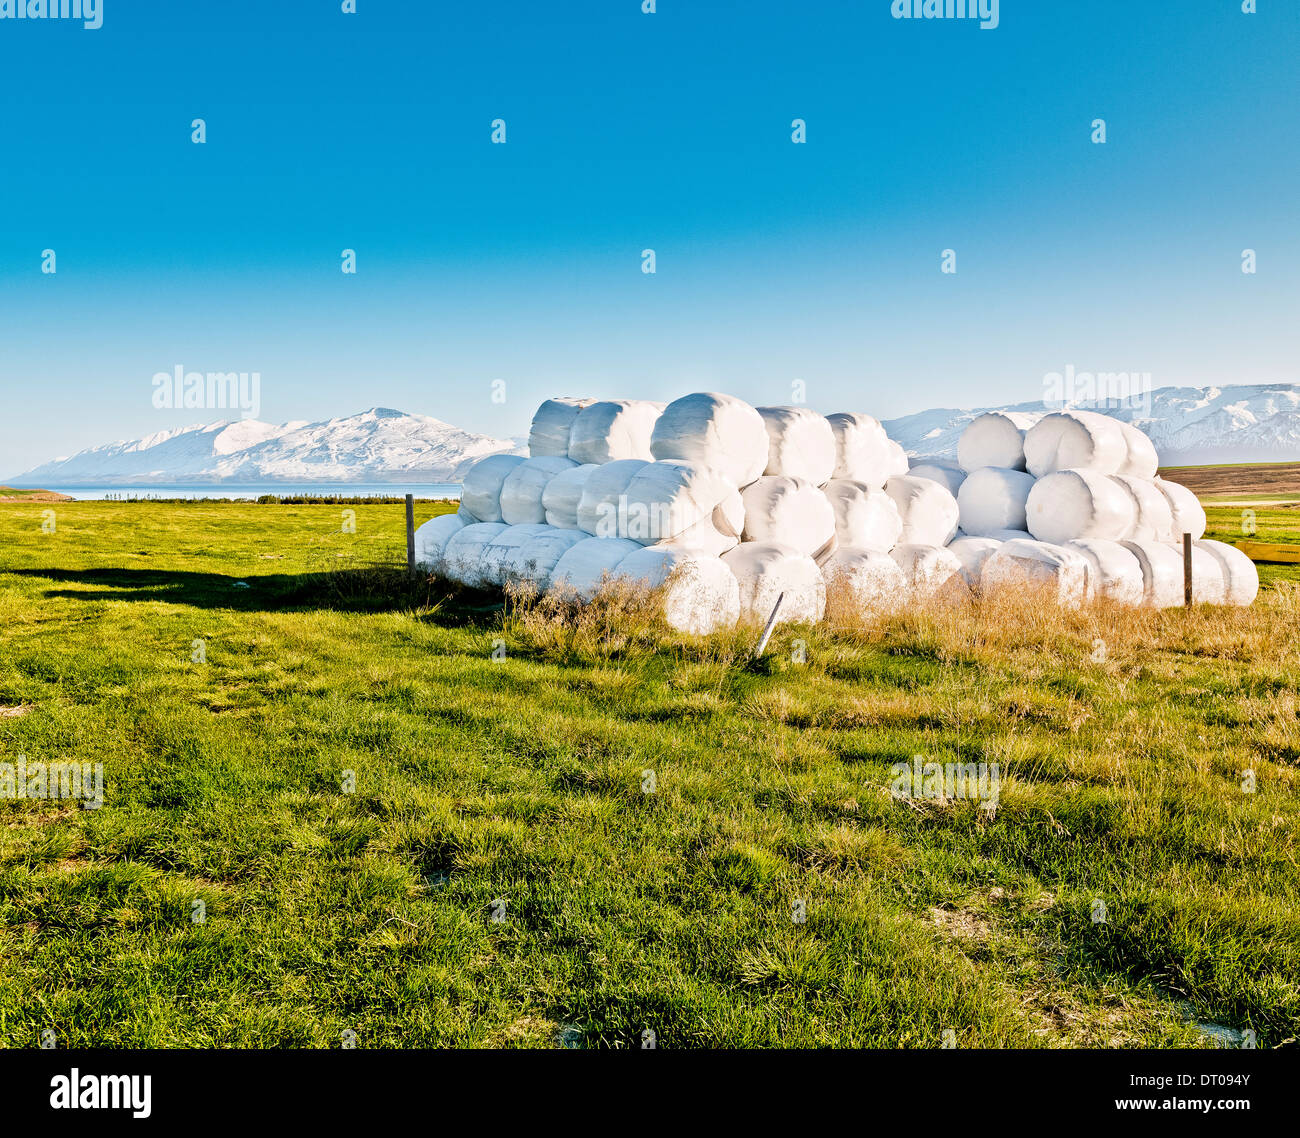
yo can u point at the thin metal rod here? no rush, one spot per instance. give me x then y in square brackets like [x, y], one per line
[771, 624]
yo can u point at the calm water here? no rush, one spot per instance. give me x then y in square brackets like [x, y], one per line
[251, 491]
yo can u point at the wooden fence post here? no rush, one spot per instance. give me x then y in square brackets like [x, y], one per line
[1187, 570]
[410, 536]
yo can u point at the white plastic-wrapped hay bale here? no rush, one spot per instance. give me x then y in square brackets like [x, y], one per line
[765, 570]
[462, 556]
[996, 438]
[928, 570]
[1188, 513]
[524, 487]
[1115, 573]
[800, 444]
[651, 502]
[716, 431]
[1209, 581]
[790, 510]
[972, 552]
[928, 511]
[1141, 460]
[861, 582]
[1061, 571]
[700, 594]
[534, 561]
[1069, 504]
[948, 474]
[1162, 573]
[1075, 440]
[613, 429]
[431, 539]
[563, 495]
[1011, 535]
[863, 452]
[480, 494]
[549, 434]
[1153, 519]
[992, 499]
[586, 567]
[1240, 577]
[601, 493]
[498, 555]
[865, 517]
[667, 500]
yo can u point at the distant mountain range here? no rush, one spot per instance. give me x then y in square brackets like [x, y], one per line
[379, 445]
[1189, 426]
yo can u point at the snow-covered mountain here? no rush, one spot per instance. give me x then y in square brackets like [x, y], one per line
[1190, 426]
[379, 445]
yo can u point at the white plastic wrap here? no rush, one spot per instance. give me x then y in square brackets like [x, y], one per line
[1070, 504]
[1115, 573]
[1141, 460]
[1209, 581]
[585, 568]
[1011, 535]
[993, 499]
[1162, 573]
[1153, 519]
[949, 475]
[1040, 564]
[497, 557]
[1240, 577]
[613, 429]
[863, 452]
[659, 501]
[717, 431]
[1075, 440]
[554, 420]
[563, 495]
[801, 444]
[701, 594]
[972, 552]
[462, 556]
[1188, 515]
[524, 487]
[928, 569]
[928, 511]
[480, 494]
[789, 510]
[996, 438]
[601, 492]
[535, 560]
[766, 569]
[861, 582]
[432, 537]
[865, 518]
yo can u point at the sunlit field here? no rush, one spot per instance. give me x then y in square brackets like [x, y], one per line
[336, 801]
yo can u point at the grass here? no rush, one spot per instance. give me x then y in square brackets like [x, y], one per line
[365, 902]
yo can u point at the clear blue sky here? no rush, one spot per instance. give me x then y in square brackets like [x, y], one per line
[629, 131]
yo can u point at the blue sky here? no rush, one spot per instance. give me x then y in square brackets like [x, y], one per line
[626, 131]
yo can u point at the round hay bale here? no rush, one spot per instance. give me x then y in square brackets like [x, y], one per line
[716, 431]
[801, 444]
[1070, 504]
[765, 570]
[993, 499]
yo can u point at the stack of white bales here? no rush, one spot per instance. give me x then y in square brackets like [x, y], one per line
[1071, 499]
[734, 506]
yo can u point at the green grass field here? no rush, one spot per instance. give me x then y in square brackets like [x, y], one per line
[229, 665]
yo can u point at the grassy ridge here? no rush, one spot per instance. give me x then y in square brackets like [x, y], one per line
[1121, 738]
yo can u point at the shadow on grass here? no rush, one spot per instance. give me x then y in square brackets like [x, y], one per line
[374, 588]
